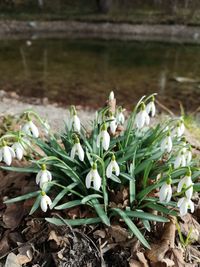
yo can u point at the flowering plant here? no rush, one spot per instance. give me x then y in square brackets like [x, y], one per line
[151, 162]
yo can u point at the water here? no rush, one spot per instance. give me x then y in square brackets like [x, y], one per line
[83, 72]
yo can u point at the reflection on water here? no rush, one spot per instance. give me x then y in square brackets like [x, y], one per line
[82, 72]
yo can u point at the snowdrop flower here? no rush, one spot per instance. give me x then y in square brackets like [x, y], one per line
[186, 182]
[150, 107]
[111, 96]
[6, 154]
[112, 167]
[18, 149]
[93, 176]
[180, 128]
[113, 125]
[120, 116]
[74, 121]
[165, 193]
[180, 160]
[103, 138]
[30, 129]
[188, 156]
[184, 204]
[77, 149]
[46, 127]
[142, 117]
[43, 176]
[45, 201]
[166, 144]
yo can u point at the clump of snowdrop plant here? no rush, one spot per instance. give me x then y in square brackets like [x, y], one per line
[89, 167]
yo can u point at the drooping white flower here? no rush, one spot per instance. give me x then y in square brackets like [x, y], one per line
[120, 116]
[103, 138]
[150, 108]
[113, 125]
[111, 96]
[142, 117]
[74, 121]
[112, 167]
[30, 129]
[46, 127]
[77, 150]
[6, 154]
[166, 144]
[93, 177]
[43, 176]
[165, 192]
[180, 160]
[45, 201]
[180, 128]
[18, 149]
[188, 156]
[184, 204]
[184, 183]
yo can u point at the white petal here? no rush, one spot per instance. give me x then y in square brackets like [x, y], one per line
[88, 179]
[169, 144]
[7, 157]
[77, 124]
[183, 161]
[189, 192]
[80, 152]
[1, 151]
[181, 184]
[121, 118]
[180, 202]
[189, 157]
[183, 208]
[163, 145]
[34, 129]
[26, 129]
[19, 153]
[147, 118]
[73, 152]
[12, 152]
[140, 119]
[169, 194]
[109, 170]
[49, 175]
[153, 109]
[163, 192]
[43, 179]
[97, 180]
[177, 162]
[106, 140]
[43, 204]
[148, 107]
[38, 177]
[191, 205]
[99, 140]
[116, 167]
[113, 126]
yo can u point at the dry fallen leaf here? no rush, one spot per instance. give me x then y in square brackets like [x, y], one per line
[13, 215]
[12, 261]
[142, 259]
[119, 233]
[99, 234]
[25, 254]
[4, 245]
[60, 240]
[158, 251]
[134, 263]
[188, 222]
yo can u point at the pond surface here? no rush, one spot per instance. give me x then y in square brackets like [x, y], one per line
[83, 72]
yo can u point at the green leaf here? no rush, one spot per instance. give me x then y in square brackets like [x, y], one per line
[100, 211]
[146, 216]
[126, 176]
[162, 209]
[69, 204]
[35, 205]
[88, 198]
[22, 170]
[132, 227]
[146, 173]
[196, 187]
[146, 225]
[74, 222]
[24, 197]
[114, 178]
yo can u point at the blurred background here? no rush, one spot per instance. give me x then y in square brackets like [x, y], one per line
[86, 48]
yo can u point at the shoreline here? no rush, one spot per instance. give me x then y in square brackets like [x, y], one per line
[13, 29]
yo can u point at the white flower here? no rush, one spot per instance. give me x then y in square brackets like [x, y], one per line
[186, 182]
[165, 193]
[7, 154]
[180, 160]
[45, 201]
[74, 121]
[43, 176]
[120, 116]
[151, 109]
[112, 167]
[93, 176]
[180, 128]
[166, 144]
[77, 149]
[113, 125]
[142, 118]
[18, 149]
[30, 129]
[46, 127]
[103, 138]
[188, 156]
[111, 96]
[184, 204]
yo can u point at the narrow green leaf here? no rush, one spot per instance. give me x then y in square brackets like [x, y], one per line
[126, 176]
[69, 204]
[162, 209]
[71, 222]
[196, 187]
[24, 197]
[132, 227]
[114, 178]
[146, 225]
[146, 216]
[146, 173]
[22, 170]
[90, 197]
[100, 211]
[35, 205]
